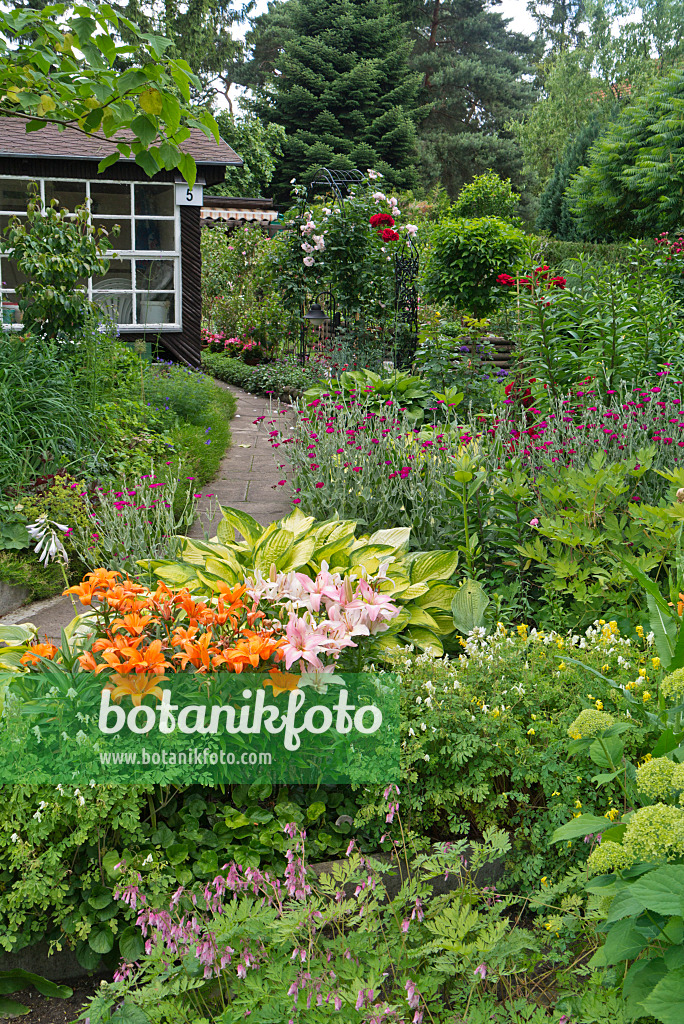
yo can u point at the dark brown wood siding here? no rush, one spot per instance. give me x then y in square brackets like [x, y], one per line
[182, 345]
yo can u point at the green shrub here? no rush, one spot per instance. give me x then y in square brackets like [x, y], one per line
[467, 256]
[487, 195]
[280, 378]
[558, 253]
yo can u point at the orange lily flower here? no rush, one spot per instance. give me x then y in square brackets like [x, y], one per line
[133, 623]
[251, 651]
[282, 681]
[87, 662]
[136, 687]
[46, 650]
[182, 635]
[83, 591]
[198, 653]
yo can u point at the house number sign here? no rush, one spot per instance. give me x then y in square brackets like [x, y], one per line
[186, 196]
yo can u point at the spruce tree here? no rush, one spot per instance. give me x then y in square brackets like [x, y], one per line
[473, 83]
[335, 75]
[554, 217]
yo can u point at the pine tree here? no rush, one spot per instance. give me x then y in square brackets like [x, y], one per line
[554, 217]
[335, 75]
[559, 23]
[472, 71]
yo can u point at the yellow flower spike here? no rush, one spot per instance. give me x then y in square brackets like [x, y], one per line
[590, 696]
[555, 793]
[646, 696]
[642, 672]
[602, 622]
[531, 732]
[605, 668]
[578, 804]
[543, 880]
[655, 662]
[640, 631]
[599, 705]
[562, 665]
[611, 814]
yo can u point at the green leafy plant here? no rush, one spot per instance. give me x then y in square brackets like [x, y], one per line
[54, 250]
[16, 980]
[487, 195]
[465, 258]
[417, 581]
[401, 388]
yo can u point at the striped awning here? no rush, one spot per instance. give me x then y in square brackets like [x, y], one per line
[236, 214]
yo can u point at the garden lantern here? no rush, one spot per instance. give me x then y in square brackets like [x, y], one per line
[316, 315]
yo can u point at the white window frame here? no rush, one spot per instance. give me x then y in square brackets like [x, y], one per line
[132, 255]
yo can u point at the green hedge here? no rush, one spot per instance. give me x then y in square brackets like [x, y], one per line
[557, 252]
[281, 378]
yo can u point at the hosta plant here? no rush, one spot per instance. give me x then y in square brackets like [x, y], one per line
[419, 581]
[402, 388]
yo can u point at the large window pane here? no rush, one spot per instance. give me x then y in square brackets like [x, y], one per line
[13, 194]
[119, 307]
[117, 278]
[154, 275]
[69, 193]
[122, 240]
[155, 308]
[111, 198]
[155, 200]
[155, 235]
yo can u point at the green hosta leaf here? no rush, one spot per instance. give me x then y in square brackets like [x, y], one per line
[585, 825]
[10, 658]
[419, 617]
[426, 640]
[297, 523]
[273, 548]
[250, 529]
[14, 636]
[431, 565]
[415, 591]
[177, 574]
[299, 554]
[397, 538]
[468, 606]
[438, 595]
[390, 644]
[228, 569]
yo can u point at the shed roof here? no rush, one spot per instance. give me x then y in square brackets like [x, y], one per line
[69, 143]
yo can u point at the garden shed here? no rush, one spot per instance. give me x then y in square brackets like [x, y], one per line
[153, 285]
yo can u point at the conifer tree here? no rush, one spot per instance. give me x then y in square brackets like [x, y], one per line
[554, 217]
[335, 75]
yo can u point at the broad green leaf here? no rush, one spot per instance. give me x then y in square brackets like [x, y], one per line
[585, 825]
[131, 944]
[151, 101]
[129, 1013]
[42, 985]
[431, 565]
[426, 640]
[250, 529]
[397, 538]
[415, 591]
[11, 1008]
[101, 939]
[666, 1001]
[662, 890]
[177, 575]
[439, 595]
[315, 810]
[640, 980]
[300, 554]
[623, 942]
[227, 569]
[468, 606]
[419, 617]
[273, 549]
[664, 630]
[14, 636]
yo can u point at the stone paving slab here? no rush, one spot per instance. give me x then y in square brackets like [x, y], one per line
[247, 480]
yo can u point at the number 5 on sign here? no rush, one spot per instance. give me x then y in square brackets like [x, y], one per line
[186, 196]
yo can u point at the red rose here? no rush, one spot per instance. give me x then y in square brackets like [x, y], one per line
[389, 236]
[378, 219]
[506, 280]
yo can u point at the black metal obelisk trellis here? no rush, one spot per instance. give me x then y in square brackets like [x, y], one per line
[406, 267]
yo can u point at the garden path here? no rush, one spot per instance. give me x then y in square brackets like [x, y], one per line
[247, 479]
